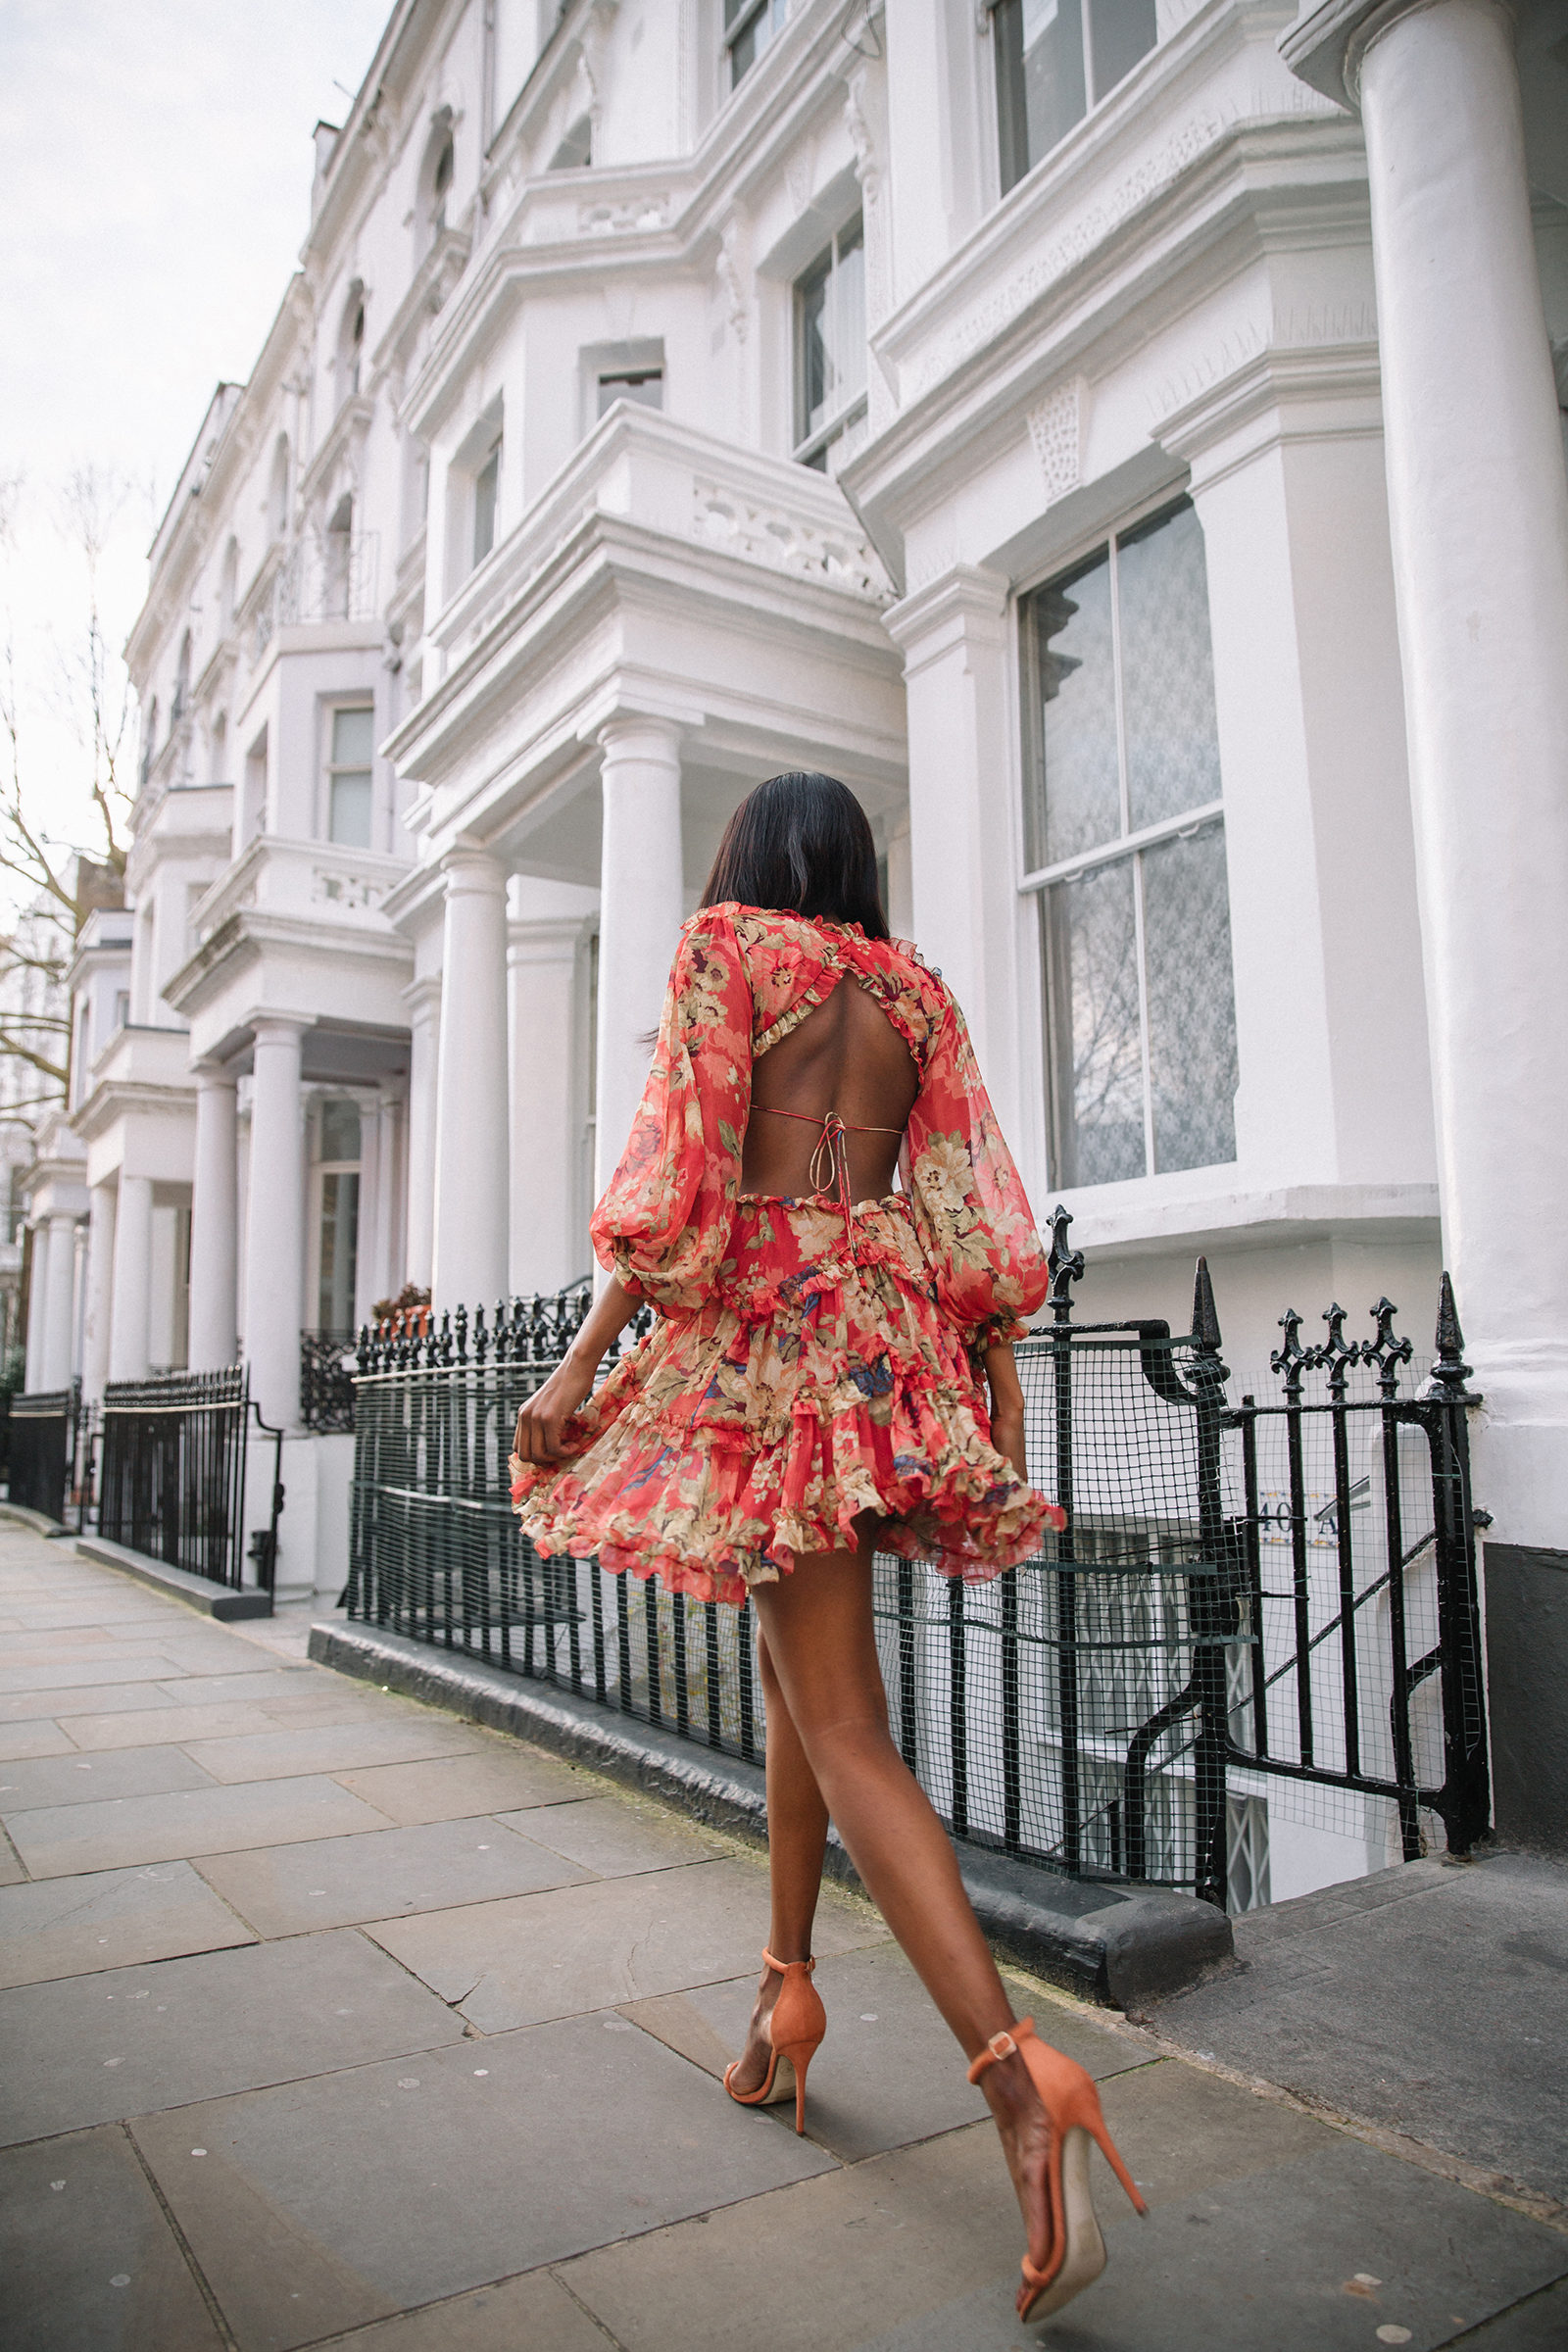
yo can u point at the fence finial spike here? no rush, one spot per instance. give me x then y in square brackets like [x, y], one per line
[1206, 1314]
[1066, 1267]
[1450, 1373]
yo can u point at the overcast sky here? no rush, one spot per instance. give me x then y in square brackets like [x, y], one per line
[154, 196]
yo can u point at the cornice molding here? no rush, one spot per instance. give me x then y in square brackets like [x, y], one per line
[1327, 46]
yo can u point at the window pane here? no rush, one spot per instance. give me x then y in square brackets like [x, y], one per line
[485, 486]
[1167, 669]
[1040, 78]
[340, 1224]
[1192, 1002]
[645, 386]
[353, 738]
[1075, 791]
[350, 817]
[340, 1130]
[1120, 31]
[1091, 951]
[813, 362]
[849, 315]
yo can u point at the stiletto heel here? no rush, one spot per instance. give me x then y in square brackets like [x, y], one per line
[1068, 2095]
[795, 2027]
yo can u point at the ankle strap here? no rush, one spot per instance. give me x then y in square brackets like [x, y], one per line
[1002, 2046]
[785, 1968]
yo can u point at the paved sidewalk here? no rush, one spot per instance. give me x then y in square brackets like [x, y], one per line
[329, 2019]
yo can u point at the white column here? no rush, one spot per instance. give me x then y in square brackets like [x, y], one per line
[549, 1246]
[471, 1145]
[131, 1317]
[368, 1269]
[962, 853]
[59, 1299]
[100, 1290]
[215, 1222]
[275, 1241]
[1479, 517]
[37, 1288]
[641, 900]
[424, 1009]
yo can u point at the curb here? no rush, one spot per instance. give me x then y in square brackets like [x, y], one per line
[40, 1522]
[221, 1601]
[1119, 1945]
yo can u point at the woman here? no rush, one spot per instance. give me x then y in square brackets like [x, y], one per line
[810, 1393]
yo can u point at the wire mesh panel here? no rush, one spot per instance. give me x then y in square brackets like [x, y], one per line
[1247, 1599]
[173, 1470]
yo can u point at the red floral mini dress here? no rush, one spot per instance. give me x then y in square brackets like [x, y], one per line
[811, 1361]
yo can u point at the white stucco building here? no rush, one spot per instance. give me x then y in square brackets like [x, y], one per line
[1120, 440]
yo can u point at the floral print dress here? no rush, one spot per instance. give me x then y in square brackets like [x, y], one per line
[807, 1364]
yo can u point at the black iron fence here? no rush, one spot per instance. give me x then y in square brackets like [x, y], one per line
[50, 1455]
[173, 1475]
[327, 1365]
[1261, 1616]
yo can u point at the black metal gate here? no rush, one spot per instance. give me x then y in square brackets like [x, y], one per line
[1254, 1606]
[173, 1477]
[50, 1458]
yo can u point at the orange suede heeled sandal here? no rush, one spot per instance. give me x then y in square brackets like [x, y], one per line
[1071, 2101]
[796, 2028]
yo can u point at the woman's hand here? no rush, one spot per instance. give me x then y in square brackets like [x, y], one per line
[1007, 1406]
[541, 1420]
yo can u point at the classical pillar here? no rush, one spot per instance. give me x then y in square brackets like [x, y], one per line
[641, 886]
[37, 1288]
[130, 1320]
[954, 640]
[59, 1300]
[471, 1124]
[100, 1291]
[378, 1148]
[274, 1239]
[1477, 510]
[423, 1000]
[549, 1241]
[215, 1222]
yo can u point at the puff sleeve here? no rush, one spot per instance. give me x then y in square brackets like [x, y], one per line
[664, 1223]
[989, 1263]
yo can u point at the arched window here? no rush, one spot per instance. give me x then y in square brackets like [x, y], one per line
[149, 741]
[435, 178]
[228, 587]
[338, 571]
[277, 494]
[181, 682]
[351, 344]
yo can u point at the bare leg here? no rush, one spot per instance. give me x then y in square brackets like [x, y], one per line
[822, 1644]
[797, 1839]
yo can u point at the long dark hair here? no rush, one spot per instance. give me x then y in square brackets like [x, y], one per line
[800, 842]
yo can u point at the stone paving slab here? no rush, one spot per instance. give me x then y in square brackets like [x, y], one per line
[87, 2260]
[888, 2072]
[1431, 2000]
[499, 1776]
[331, 1749]
[335, 1882]
[96, 2049]
[399, 2183]
[167, 1725]
[256, 1682]
[531, 2314]
[61, 1838]
[615, 1838]
[1538, 2325]
[11, 1868]
[94, 1699]
[93, 1666]
[1318, 2255]
[111, 1919]
[540, 1956]
[18, 1740]
[75, 1780]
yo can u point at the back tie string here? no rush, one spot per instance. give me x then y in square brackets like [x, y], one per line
[830, 1161]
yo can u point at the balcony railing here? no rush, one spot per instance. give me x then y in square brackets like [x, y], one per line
[325, 576]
